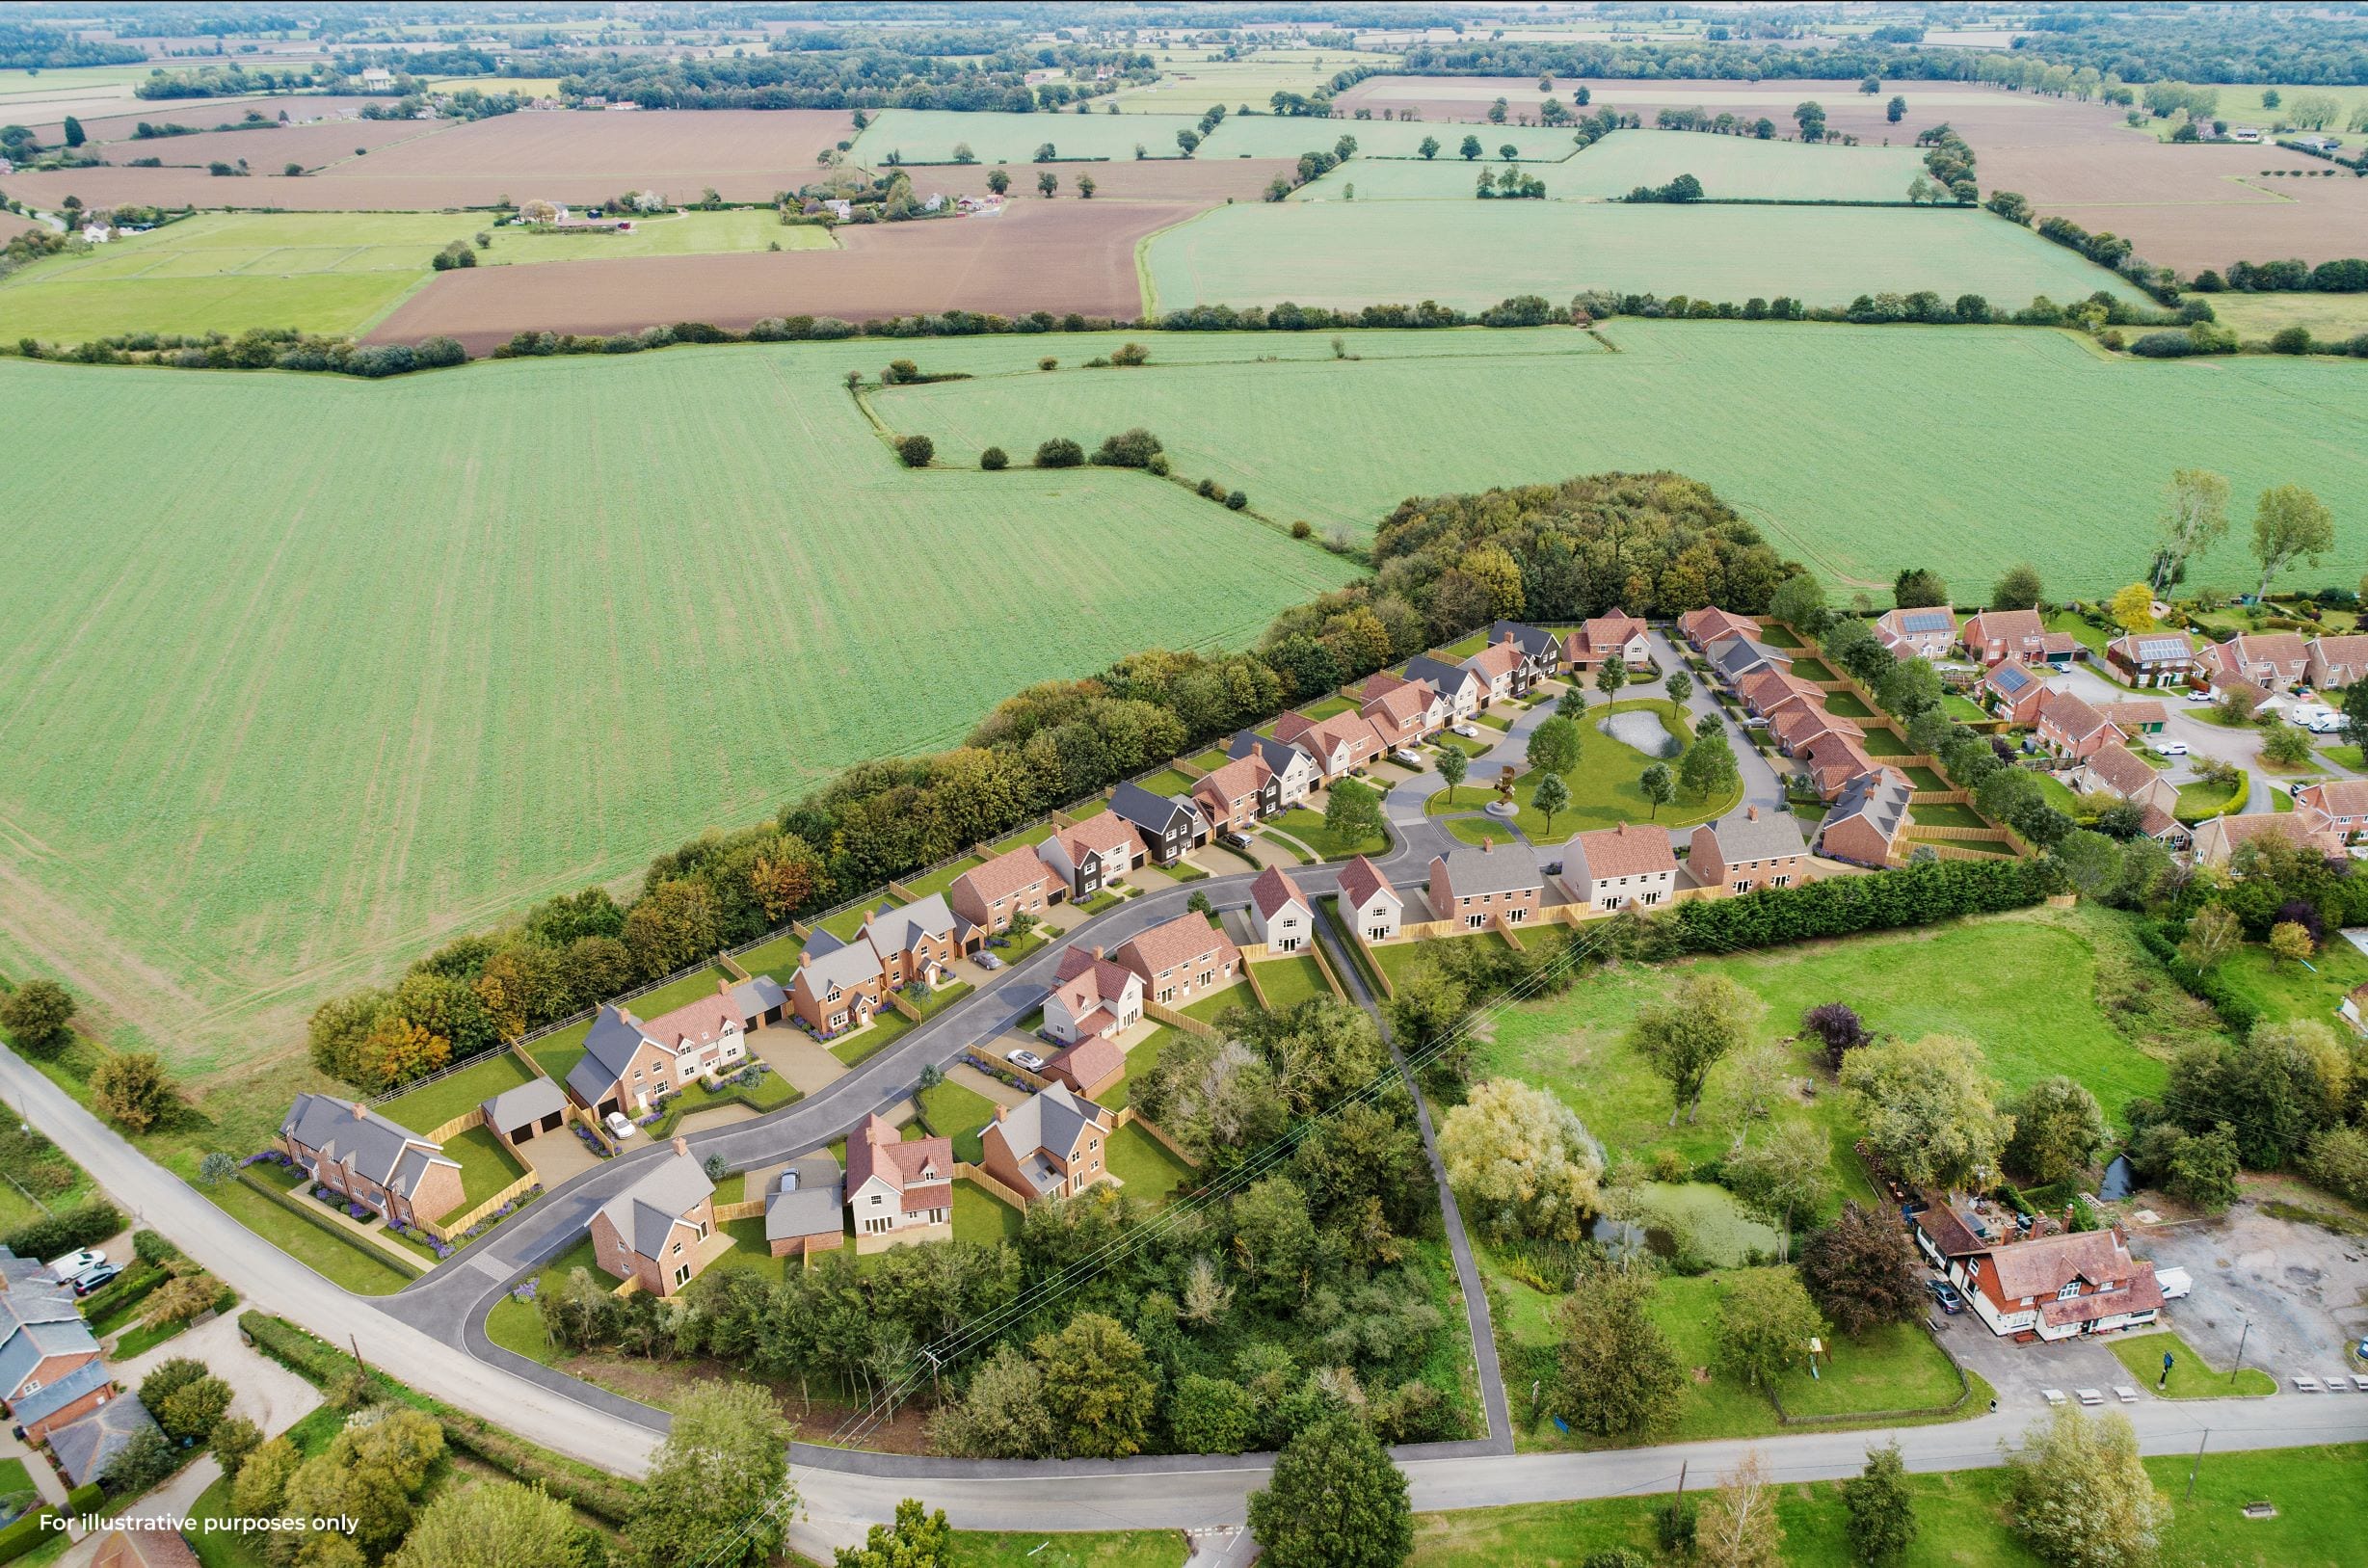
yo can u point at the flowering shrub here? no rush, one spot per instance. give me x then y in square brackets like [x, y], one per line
[527, 1289]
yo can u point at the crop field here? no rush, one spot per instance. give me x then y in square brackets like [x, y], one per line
[924, 136]
[2240, 104]
[1474, 253]
[1340, 442]
[1189, 82]
[116, 120]
[732, 230]
[1739, 168]
[1204, 182]
[2339, 317]
[413, 653]
[269, 149]
[748, 155]
[1275, 136]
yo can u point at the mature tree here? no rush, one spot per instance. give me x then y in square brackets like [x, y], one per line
[1352, 812]
[1862, 1272]
[1679, 686]
[1319, 1050]
[999, 180]
[1917, 587]
[1554, 746]
[1086, 187]
[1908, 687]
[2287, 747]
[1927, 1110]
[1685, 1037]
[1453, 765]
[2290, 944]
[1800, 603]
[670, 927]
[2289, 524]
[1551, 797]
[1098, 1388]
[1896, 110]
[191, 1412]
[2080, 1494]
[2132, 608]
[1427, 1014]
[1736, 1527]
[494, 1524]
[2194, 516]
[1611, 676]
[2059, 1130]
[131, 1090]
[261, 1479]
[1838, 1027]
[2090, 861]
[1211, 1415]
[1335, 1499]
[2019, 588]
[1048, 183]
[1764, 1325]
[919, 1539]
[168, 1377]
[1520, 1162]
[718, 1489]
[39, 1013]
[372, 1472]
[1429, 148]
[1709, 766]
[1658, 785]
[1882, 1507]
[2338, 1159]
[1001, 1415]
[144, 1460]
[1615, 1372]
[1471, 148]
[1783, 1174]
[1811, 116]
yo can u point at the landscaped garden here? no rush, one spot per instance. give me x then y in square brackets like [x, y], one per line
[2191, 1377]
[1308, 827]
[430, 1107]
[1606, 787]
[317, 1243]
[1290, 981]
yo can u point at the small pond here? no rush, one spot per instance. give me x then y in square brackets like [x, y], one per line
[1641, 729]
[1692, 1216]
[2120, 1179]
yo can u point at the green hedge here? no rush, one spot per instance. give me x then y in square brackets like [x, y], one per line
[126, 1289]
[1844, 906]
[87, 1497]
[54, 1235]
[301, 1208]
[604, 1496]
[2235, 1011]
[24, 1536]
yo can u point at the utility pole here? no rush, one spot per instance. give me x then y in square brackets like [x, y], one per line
[2197, 1465]
[2240, 1359]
[354, 1340]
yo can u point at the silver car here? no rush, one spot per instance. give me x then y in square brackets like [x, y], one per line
[620, 1126]
[1027, 1059]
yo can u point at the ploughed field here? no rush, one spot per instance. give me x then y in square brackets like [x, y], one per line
[375, 662]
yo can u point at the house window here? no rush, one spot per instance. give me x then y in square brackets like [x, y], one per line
[1653, 897]
[875, 1199]
[677, 1249]
[1376, 933]
[1781, 880]
[682, 1274]
[2068, 1291]
[1474, 920]
[1516, 916]
[1611, 900]
[1743, 884]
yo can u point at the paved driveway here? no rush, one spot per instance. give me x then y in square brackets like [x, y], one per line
[2303, 1291]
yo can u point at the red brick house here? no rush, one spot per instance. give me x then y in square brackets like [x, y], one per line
[50, 1372]
[899, 1189]
[2069, 728]
[2336, 805]
[1340, 744]
[1093, 852]
[1704, 626]
[1235, 797]
[348, 1148]
[1747, 850]
[1834, 762]
[1994, 634]
[1925, 632]
[2275, 659]
[1016, 882]
[1090, 1067]
[1868, 825]
[657, 1232]
[1618, 635]
[1481, 887]
[2114, 769]
[1091, 997]
[1185, 958]
[2160, 658]
[1052, 1145]
[841, 986]
[2012, 692]
[1799, 722]
[628, 1063]
[2336, 662]
[1767, 688]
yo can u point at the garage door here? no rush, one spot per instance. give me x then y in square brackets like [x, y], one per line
[552, 1120]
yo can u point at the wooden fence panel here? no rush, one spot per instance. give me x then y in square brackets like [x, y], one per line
[447, 1230]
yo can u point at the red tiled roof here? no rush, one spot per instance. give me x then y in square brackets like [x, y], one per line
[1180, 942]
[1099, 834]
[2014, 626]
[2143, 1293]
[1711, 623]
[1380, 683]
[1405, 705]
[1012, 871]
[1360, 880]
[2071, 714]
[1496, 660]
[1088, 1062]
[1242, 775]
[1630, 849]
[2337, 797]
[1273, 890]
[879, 1149]
[2134, 714]
[2121, 770]
[2342, 651]
[2044, 1264]
[695, 1024]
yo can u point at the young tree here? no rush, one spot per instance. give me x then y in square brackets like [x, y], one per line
[1927, 1108]
[1554, 746]
[1611, 676]
[1838, 1026]
[1709, 766]
[1616, 1375]
[2080, 1494]
[1572, 705]
[1683, 1038]
[1086, 187]
[1453, 765]
[1001, 1415]
[1736, 1527]
[1551, 797]
[1679, 686]
[919, 1539]
[1882, 1507]
[1099, 1388]
[1520, 1161]
[1335, 1499]
[1658, 786]
[132, 1091]
[2132, 608]
[2289, 524]
[2018, 587]
[2059, 1130]
[1352, 812]
[39, 1013]
[1862, 1271]
[2214, 932]
[2290, 943]
[494, 1524]
[2194, 516]
[1766, 1324]
[718, 1489]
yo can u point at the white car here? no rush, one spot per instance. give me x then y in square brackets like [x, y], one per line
[2202, 697]
[620, 1126]
[2327, 725]
[2175, 1283]
[1407, 756]
[1027, 1059]
[1469, 731]
[2171, 748]
[72, 1264]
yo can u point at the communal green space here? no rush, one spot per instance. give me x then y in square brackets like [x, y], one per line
[1738, 168]
[348, 1262]
[1308, 827]
[1474, 253]
[2190, 1376]
[444, 747]
[922, 136]
[431, 1105]
[1605, 789]
[517, 1325]
[1290, 981]
[671, 234]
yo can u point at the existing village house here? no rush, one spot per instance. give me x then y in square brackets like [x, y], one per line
[50, 1370]
[2152, 658]
[2071, 729]
[2336, 662]
[1925, 633]
[656, 1233]
[2275, 659]
[1052, 1145]
[2334, 805]
[2056, 1286]
[1995, 635]
[629, 1063]
[898, 1190]
[348, 1148]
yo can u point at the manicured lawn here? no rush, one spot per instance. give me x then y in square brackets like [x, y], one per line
[1148, 1167]
[778, 958]
[1844, 704]
[689, 989]
[2344, 757]
[1100, 1549]
[1945, 814]
[2190, 1376]
[1496, 718]
[940, 879]
[353, 1264]
[140, 1340]
[487, 1164]
[1308, 827]
[940, 999]
[1962, 709]
[426, 1108]
[1776, 634]
[517, 1325]
[557, 1053]
[2291, 991]
[1812, 670]
[1290, 981]
[2052, 790]
[2199, 800]
[1920, 778]
[1330, 705]
[958, 1113]
[981, 1217]
[886, 1028]
[1603, 788]
[2090, 637]
[1207, 1009]
[1469, 745]
[1141, 1059]
[1881, 742]
[1167, 781]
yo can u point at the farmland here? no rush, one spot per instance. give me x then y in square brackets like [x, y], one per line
[1735, 168]
[1189, 82]
[1471, 254]
[1271, 136]
[1340, 442]
[924, 136]
[343, 731]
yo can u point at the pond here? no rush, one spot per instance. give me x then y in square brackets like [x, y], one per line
[1641, 729]
[2120, 1179]
[1677, 1217]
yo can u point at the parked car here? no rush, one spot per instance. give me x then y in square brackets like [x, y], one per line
[2325, 725]
[1407, 756]
[1234, 841]
[2175, 1283]
[1027, 1059]
[2194, 696]
[1469, 731]
[1946, 1296]
[988, 961]
[91, 1279]
[2171, 748]
[72, 1264]
[620, 1125]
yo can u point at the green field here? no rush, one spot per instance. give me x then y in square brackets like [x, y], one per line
[2330, 317]
[322, 272]
[343, 731]
[931, 136]
[1189, 82]
[1340, 442]
[675, 234]
[2240, 104]
[1605, 790]
[1281, 136]
[1473, 253]
[1738, 168]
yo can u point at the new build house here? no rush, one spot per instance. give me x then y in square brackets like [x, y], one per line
[2056, 1286]
[1368, 902]
[1295, 774]
[2152, 658]
[2334, 663]
[807, 1211]
[1235, 797]
[1280, 912]
[350, 1149]
[1406, 714]
[1504, 671]
[1616, 635]
[1701, 628]
[1868, 824]
[1834, 762]
[1458, 685]
[1051, 1145]
[1925, 633]
[1747, 850]
[656, 1231]
[1735, 657]
[1764, 688]
[1618, 867]
[1016, 882]
[1338, 745]
[898, 1190]
[1540, 649]
[841, 986]
[1170, 825]
[1479, 886]
[1799, 722]
[1091, 854]
[1091, 997]
[1183, 960]
[628, 1063]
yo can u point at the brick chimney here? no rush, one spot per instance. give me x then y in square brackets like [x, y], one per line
[2067, 1216]
[682, 1145]
[1001, 1111]
[805, 957]
[1096, 950]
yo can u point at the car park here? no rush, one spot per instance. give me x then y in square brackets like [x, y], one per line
[91, 1278]
[1026, 1059]
[620, 1125]
[74, 1262]
[1946, 1296]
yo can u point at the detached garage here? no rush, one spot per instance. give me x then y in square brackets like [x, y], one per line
[527, 1111]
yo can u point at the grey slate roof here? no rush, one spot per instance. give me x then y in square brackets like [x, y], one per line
[51, 1397]
[1152, 814]
[608, 1052]
[14, 1270]
[1771, 835]
[847, 966]
[758, 995]
[895, 930]
[384, 1150]
[1279, 754]
[29, 1345]
[1049, 1119]
[1880, 797]
[645, 1212]
[1533, 640]
[1737, 657]
[1471, 871]
[814, 1206]
[85, 1449]
[528, 1103]
[1440, 676]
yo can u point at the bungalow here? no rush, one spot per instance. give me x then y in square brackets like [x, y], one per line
[1092, 853]
[1285, 919]
[2275, 659]
[1458, 685]
[1503, 670]
[1295, 773]
[2009, 690]
[1184, 958]
[2056, 1286]
[85, 1450]
[2152, 658]
[1016, 882]
[2218, 838]
[839, 986]
[1406, 714]
[350, 1149]
[656, 1231]
[898, 1190]
[1541, 651]
[1833, 763]
[1799, 722]
[1339, 745]
[1051, 1145]
[1747, 850]
[1614, 868]
[1092, 998]
[2336, 662]
[2137, 716]
[1705, 626]
[1766, 688]
[2336, 805]
[807, 1211]
[1369, 903]
[1089, 1068]
[626, 1061]
[2069, 728]
[525, 1111]
[1618, 635]
[1478, 885]
[1925, 632]
[1171, 825]
[2114, 769]
[1867, 826]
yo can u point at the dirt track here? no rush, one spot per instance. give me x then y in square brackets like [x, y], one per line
[1062, 255]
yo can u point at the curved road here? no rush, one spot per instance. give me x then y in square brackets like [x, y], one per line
[431, 1334]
